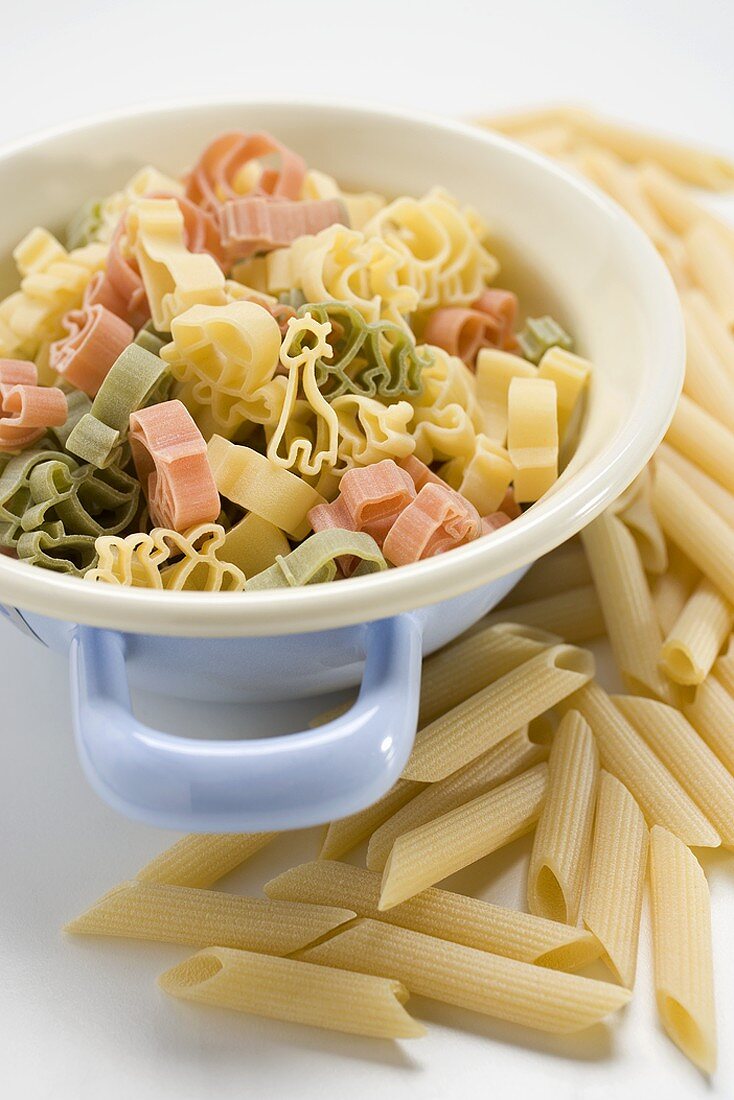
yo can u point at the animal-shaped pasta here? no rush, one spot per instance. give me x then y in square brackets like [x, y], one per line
[370, 431]
[229, 166]
[95, 338]
[167, 559]
[315, 560]
[26, 409]
[436, 520]
[360, 206]
[540, 334]
[370, 499]
[446, 414]
[249, 224]
[99, 219]
[225, 358]
[488, 323]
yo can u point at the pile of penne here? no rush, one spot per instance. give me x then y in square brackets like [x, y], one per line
[516, 736]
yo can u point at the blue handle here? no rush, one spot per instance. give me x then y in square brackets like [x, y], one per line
[275, 783]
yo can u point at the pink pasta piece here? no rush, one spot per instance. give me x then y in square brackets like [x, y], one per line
[325, 517]
[420, 473]
[494, 521]
[119, 288]
[509, 505]
[437, 520]
[96, 336]
[375, 495]
[200, 227]
[26, 410]
[462, 332]
[254, 224]
[502, 306]
[172, 466]
[211, 181]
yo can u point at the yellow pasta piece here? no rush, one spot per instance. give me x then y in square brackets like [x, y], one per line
[627, 756]
[694, 641]
[477, 980]
[712, 264]
[711, 713]
[681, 927]
[707, 489]
[200, 859]
[251, 480]
[345, 834]
[167, 559]
[485, 476]
[571, 375]
[676, 204]
[562, 841]
[495, 371]
[627, 606]
[687, 757]
[253, 545]
[624, 186]
[174, 278]
[452, 917]
[635, 508]
[145, 181]
[299, 992]
[433, 851]
[671, 589]
[532, 436]
[707, 381]
[507, 759]
[704, 441]
[613, 896]
[711, 328]
[370, 431]
[181, 914]
[472, 727]
[553, 140]
[575, 614]
[559, 571]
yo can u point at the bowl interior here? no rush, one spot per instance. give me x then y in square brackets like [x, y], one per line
[564, 248]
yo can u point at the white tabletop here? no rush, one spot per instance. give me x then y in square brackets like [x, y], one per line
[83, 1019]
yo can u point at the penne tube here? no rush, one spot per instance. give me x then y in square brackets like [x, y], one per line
[183, 914]
[345, 834]
[724, 669]
[686, 756]
[710, 491]
[514, 754]
[482, 721]
[553, 140]
[531, 996]
[433, 851]
[440, 913]
[512, 122]
[574, 614]
[695, 528]
[707, 381]
[672, 589]
[681, 936]
[299, 992]
[712, 264]
[676, 204]
[634, 508]
[200, 859]
[562, 842]
[613, 896]
[559, 571]
[623, 185]
[697, 635]
[711, 713]
[628, 609]
[703, 440]
[627, 756]
[710, 326]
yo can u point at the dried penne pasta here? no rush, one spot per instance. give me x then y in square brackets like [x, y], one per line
[712, 329]
[466, 731]
[711, 713]
[681, 927]
[505, 988]
[299, 992]
[554, 141]
[707, 381]
[514, 754]
[703, 440]
[676, 204]
[724, 669]
[695, 528]
[183, 914]
[433, 851]
[626, 755]
[614, 177]
[562, 841]
[575, 614]
[635, 508]
[200, 859]
[627, 606]
[343, 835]
[559, 571]
[440, 913]
[712, 264]
[613, 896]
[694, 641]
[686, 756]
[708, 490]
[672, 589]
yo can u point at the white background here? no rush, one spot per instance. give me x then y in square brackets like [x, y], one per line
[81, 1020]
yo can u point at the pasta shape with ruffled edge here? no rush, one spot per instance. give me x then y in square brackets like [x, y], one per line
[225, 358]
[436, 521]
[484, 477]
[99, 219]
[370, 431]
[27, 410]
[442, 255]
[315, 560]
[231, 165]
[143, 560]
[360, 205]
[447, 416]
[94, 339]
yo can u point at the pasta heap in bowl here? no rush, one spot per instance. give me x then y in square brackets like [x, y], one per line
[249, 378]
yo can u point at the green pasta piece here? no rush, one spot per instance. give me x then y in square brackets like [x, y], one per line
[314, 561]
[136, 379]
[84, 227]
[51, 548]
[294, 298]
[78, 404]
[540, 334]
[150, 339]
[370, 360]
[15, 493]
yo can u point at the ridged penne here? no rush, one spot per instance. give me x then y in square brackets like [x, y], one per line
[694, 640]
[298, 992]
[712, 264]
[574, 614]
[612, 903]
[686, 756]
[635, 508]
[440, 913]
[703, 440]
[474, 726]
[562, 841]
[512, 755]
[200, 859]
[558, 571]
[672, 589]
[712, 328]
[626, 755]
[529, 995]
[183, 914]
[709, 490]
[345, 834]
[711, 713]
[433, 851]
[707, 381]
[681, 934]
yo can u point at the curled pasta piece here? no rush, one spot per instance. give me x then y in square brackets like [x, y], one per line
[168, 559]
[315, 560]
[26, 409]
[52, 549]
[370, 431]
[437, 520]
[488, 323]
[201, 232]
[225, 358]
[370, 499]
[171, 463]
[224, 169]
[119, 288]
[250, 224]
[540, 335]
[446, 414]
[95, 338]
[105, 216]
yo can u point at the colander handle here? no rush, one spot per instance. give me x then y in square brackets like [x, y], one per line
[275, 783]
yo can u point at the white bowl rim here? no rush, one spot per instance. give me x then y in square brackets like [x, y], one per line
[319, 607]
